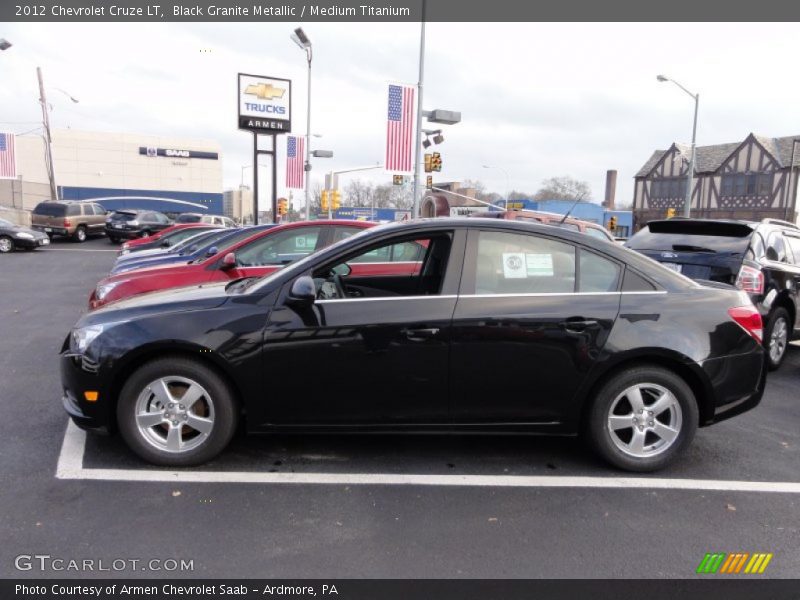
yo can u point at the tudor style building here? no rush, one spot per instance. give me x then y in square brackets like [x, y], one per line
[752, 180]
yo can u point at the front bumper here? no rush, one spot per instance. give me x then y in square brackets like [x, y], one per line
[738, 382]
[79, 375]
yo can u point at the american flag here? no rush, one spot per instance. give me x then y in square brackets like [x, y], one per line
[400, 129]
[8, 163]
[295, 160]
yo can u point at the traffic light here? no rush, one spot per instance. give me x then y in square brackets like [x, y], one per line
[283, 206]
[428, 168]
[337, 199]
[670, 212]
[612, 224]
[323, 201]
[436, 162]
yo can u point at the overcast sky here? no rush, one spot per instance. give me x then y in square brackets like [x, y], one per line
[538, 99]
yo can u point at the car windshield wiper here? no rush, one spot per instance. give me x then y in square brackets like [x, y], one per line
[689, 248]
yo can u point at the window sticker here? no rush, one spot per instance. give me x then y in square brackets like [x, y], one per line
[514, 265]
[539, 265]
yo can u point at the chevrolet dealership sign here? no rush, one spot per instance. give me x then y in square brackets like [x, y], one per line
[265, 104]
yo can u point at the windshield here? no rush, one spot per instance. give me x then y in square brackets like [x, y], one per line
[4, 223]
[194, 239]
[692, 236]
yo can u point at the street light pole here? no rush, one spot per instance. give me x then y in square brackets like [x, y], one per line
[687, 205]
[47, 137]
[418, 144]
[300, 38]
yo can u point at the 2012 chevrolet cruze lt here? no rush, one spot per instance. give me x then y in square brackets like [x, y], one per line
[481, 325]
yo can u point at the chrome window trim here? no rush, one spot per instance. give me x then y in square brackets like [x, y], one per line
[451, 296]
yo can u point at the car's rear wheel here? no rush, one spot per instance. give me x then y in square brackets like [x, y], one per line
[113, 239]
[776, 337]
[643, 418]
[80, 234]
[6, 244]
[176, 412]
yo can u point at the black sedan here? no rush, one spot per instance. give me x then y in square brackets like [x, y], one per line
[14, 237]
[452, 325]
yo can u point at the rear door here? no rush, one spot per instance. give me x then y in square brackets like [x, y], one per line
[699, 249]
[531, 320]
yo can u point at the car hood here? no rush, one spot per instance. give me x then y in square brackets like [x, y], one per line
[143, 254]
[197, 297]
[147, 271]
[22, 229]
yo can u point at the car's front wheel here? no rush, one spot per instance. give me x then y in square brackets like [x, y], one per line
[176, 412]
[776, 337]
[6, 244]
[80, 234]
[643, 418]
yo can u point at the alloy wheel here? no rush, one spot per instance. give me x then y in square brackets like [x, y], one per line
[6, 245]
[81, 234]
[778, 340]
[644, 420]
[174, 414]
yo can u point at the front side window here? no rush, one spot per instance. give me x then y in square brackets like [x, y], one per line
[510, 263]
[280, 248]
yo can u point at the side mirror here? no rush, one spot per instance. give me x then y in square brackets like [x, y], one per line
[342, 270]
[303, 292]
[228, 261]
[212, 251]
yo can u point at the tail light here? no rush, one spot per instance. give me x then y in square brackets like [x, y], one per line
[750, 280]
[67, 223]
[749, 319]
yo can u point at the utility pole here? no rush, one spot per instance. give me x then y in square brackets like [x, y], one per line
[418, 145]
[48, 140]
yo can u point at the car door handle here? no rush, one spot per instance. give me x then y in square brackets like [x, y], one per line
[578, 325]
[420, 335]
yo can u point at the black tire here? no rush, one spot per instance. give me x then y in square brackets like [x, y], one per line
[602, 439]
[113, 239]
[80, 234]
[6, 244]
[780, 317]
[225, 412]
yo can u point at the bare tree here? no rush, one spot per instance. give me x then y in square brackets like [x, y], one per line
[564, 188]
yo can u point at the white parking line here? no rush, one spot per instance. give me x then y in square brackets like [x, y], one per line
[70, 466]
[49, 248]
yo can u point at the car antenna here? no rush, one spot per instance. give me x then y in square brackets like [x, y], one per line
[574, 204]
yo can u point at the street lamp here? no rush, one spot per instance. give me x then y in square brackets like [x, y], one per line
[5, 44]
[696, 97]
[508, 186]
[300, 38]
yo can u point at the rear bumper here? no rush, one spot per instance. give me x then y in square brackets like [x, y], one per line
[122, 233]
[52, 230]
[738, 382]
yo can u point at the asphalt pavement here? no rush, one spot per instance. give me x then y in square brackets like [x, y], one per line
[283, 528]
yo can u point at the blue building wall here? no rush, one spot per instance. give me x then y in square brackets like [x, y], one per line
[587, 211]
[211, 201]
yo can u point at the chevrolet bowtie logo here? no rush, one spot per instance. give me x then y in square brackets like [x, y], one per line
[265, 91]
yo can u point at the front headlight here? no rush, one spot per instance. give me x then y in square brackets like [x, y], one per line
[103, 290]
[83, 336]
[24, 235]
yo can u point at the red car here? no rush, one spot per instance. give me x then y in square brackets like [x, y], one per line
[261, 254]
[161, 234]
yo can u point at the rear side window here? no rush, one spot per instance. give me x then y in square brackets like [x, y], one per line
[776, 249]
[634, 282]
[794, 245]
[73, 210]
[509, 263]
[596, 233]
[598, 274]
[50, 209]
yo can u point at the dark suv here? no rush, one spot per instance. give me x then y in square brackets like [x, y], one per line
[762, 259]
[135, 224]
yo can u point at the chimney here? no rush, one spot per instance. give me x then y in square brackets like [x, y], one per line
[611, 188]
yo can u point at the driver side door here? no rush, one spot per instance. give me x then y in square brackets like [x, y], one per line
[379, 357]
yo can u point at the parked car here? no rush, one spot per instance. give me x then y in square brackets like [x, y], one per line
[259, 254]
[164, 238]
[613, 345]
[13, 237]
[76, 220]
[127, 224]
[188, 251]
[188, 218]
[547, 218]
[762, 259]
